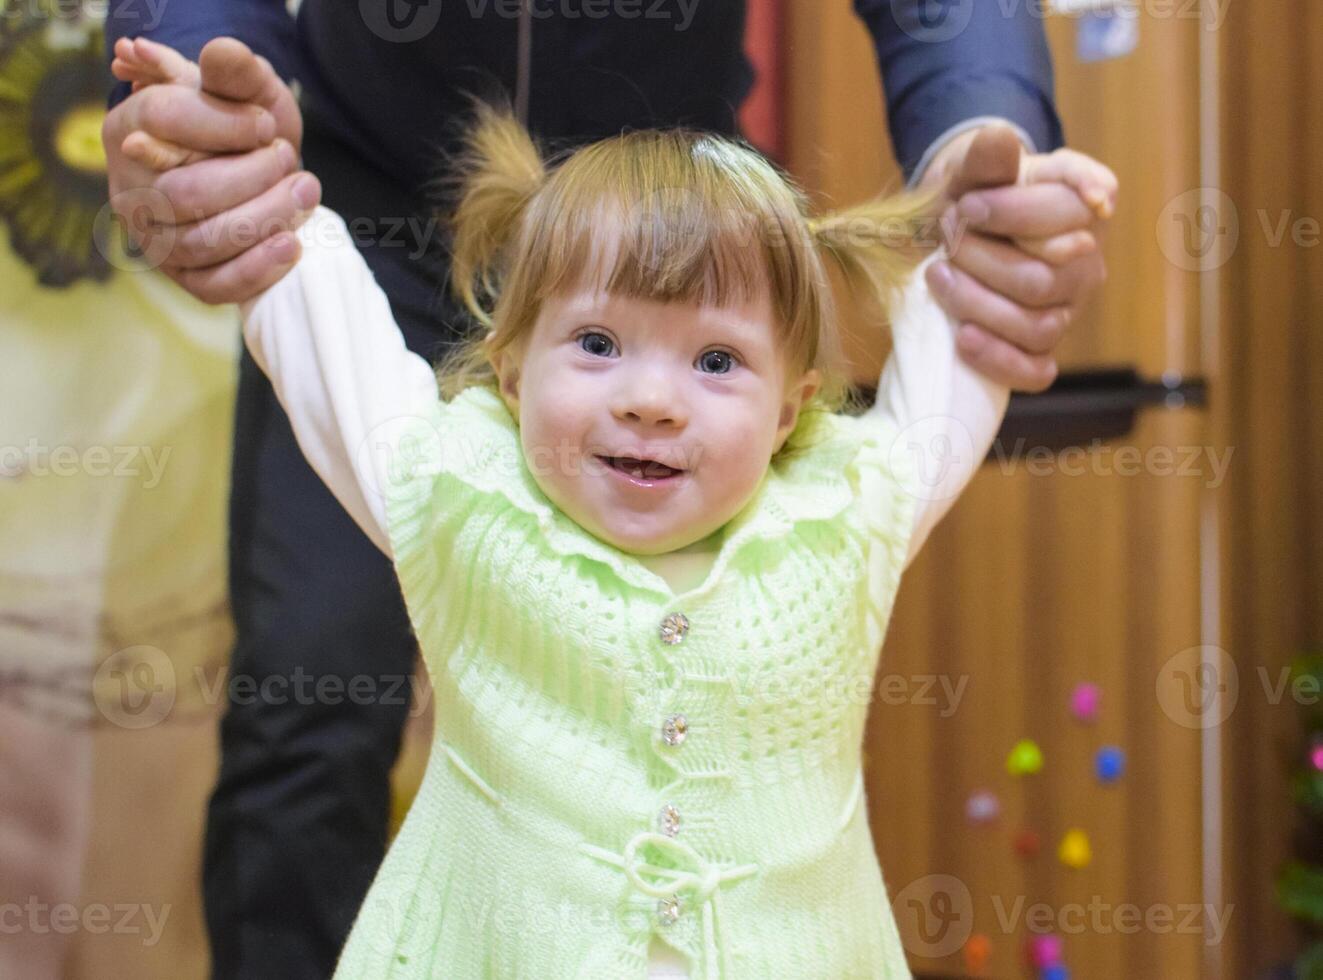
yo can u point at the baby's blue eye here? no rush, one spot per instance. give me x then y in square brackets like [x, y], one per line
[602, 346]
[716, 361]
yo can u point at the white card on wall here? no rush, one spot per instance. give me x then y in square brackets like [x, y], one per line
[1103, 35]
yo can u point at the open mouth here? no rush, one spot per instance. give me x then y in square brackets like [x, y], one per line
[644, 469]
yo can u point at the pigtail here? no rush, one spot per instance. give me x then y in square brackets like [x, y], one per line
[877, 244]
[492, 178]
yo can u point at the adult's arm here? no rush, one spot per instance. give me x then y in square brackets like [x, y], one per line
[187, 25]
[948, 65]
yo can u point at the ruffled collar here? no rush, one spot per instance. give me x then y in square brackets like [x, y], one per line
[810, 484]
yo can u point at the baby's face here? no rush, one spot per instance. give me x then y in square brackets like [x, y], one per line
[605, 388]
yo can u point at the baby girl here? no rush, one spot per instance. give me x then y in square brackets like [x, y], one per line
[648, 546]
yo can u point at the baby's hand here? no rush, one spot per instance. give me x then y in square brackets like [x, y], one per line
[1025, 250]
[145, 62]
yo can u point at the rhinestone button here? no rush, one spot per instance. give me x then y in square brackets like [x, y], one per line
[668, 820]
[674, 729]
[673, 628]
[668, 910]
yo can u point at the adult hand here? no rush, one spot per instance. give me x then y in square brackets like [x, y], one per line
[204, 170]
[1024, 234]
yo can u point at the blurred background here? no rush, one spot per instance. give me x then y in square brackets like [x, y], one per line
[1097, 739]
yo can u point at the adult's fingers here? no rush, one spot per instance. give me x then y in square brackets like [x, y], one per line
[219, 183]
[1032, 210]
[992, 160]
[197, 120]
[1033, 330]
[1060, 249]
[243, 276]
[234, 74]
[1053, 249]
[232, 70]
[223, 236]
[157, 154]
[1003, 362]
[1022, 278]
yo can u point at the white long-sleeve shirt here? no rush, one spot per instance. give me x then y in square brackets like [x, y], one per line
[326, 337]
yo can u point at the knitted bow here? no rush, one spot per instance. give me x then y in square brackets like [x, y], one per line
[704, 881]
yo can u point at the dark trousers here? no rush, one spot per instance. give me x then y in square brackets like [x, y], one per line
[297, 823]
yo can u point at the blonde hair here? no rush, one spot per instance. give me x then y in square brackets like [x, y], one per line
[689, 217]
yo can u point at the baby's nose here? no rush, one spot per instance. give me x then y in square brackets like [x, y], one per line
[652, 401]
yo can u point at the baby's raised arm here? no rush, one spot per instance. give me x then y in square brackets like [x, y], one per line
[326, 337]
[324, 334]
[946, 414]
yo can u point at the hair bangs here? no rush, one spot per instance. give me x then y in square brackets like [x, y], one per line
[650, 224]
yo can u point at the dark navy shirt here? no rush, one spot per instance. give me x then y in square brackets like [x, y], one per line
[382, 90]
[387, 75]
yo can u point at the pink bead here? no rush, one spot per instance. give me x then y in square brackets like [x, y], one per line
[982, 807]
[1084, 701]
[1046, 951]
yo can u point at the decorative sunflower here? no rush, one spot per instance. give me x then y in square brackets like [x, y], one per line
[53, 86]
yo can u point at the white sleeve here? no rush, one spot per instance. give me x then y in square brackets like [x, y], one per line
[326, 337]
[946, 414]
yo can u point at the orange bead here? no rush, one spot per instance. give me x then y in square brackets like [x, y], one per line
[978, 949]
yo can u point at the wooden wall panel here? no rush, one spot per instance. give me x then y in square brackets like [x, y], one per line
[1139, 114]
[1269, 384]
[835, 138]
[1037, 582]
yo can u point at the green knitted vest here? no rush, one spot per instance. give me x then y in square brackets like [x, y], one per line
[613, 760]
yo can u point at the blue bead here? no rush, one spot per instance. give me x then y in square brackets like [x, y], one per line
[1109, 763]
[1057, 971]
